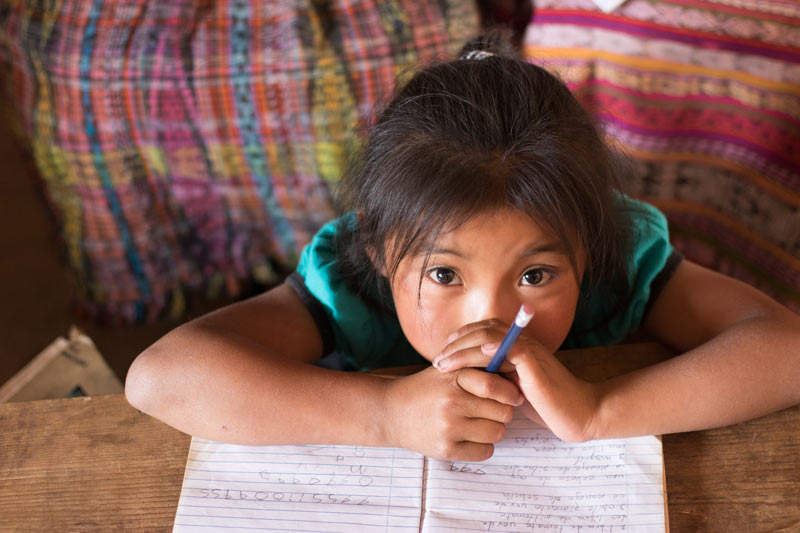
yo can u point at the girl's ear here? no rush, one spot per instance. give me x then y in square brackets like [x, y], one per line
[380, 268]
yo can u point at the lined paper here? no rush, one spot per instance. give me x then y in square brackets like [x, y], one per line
[299, 488]
[534, 482]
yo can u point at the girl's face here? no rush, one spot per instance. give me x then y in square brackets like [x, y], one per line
[487, 268]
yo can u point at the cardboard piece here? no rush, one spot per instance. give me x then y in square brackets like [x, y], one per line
[68, 367]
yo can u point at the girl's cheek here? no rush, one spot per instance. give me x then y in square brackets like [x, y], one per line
[436, 326]
[424, 319]
[553, 324]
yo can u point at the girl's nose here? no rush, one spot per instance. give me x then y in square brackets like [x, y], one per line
[492, 305]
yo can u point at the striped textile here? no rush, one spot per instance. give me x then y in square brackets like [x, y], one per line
[705, 95]
[192, 144]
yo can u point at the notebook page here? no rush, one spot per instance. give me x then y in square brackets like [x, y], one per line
[536, 482]
[299, 488]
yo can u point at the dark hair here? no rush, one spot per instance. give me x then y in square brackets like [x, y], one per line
[485, 131]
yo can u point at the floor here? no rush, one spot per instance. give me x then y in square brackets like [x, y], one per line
[35, 288]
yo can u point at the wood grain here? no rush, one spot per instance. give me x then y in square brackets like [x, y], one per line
[744, 477]
[97, 464]
[87, 464]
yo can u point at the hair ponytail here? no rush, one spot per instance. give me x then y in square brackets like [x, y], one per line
[495, 43]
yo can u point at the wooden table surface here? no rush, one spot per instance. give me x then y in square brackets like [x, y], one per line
[97, 464]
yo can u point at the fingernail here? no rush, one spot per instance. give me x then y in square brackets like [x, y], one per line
[489, 347]
[441, 363]
[452, 337]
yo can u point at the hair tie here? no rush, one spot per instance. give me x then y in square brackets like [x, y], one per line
[476, 55]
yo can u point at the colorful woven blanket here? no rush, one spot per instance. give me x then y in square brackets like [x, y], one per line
[192, 144]
[705, 95]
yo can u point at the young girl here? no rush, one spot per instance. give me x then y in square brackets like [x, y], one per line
[482, 186]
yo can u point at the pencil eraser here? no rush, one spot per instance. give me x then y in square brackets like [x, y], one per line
[524, 315]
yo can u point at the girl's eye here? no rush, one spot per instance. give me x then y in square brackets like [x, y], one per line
[442, 276]
[537, 276]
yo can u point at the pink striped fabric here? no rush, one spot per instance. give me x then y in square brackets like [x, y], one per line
[705, 95]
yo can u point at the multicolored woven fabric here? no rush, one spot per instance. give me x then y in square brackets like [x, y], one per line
[705, 95]
[192, 144]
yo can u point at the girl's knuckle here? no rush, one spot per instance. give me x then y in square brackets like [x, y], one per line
[448, 450]
[446, 403]
[488, 388]
[448, 426]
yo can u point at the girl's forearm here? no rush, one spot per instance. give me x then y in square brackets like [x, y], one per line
[745, 372]
[220, 386]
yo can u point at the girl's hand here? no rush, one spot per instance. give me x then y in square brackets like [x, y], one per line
[556, 398]
[456, 416]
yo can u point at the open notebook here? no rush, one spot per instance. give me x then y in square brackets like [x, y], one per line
[534, 482]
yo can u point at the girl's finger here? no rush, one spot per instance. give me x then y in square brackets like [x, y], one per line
[467, 451]
[488, 334]
[528, 349]
[537, 371]
[469, 328]
[532, 414]
[528, 363]
[482, 431]
[469, 357]
[473, 356]
[490, 387]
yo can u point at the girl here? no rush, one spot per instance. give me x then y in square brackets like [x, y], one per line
[482, 186]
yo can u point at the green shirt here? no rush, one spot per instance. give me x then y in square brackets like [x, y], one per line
[371, 338]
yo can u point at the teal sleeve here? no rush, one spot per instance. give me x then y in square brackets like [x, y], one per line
[368, 337]
[596, 322]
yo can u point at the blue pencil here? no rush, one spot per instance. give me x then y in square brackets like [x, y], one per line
[523, 317]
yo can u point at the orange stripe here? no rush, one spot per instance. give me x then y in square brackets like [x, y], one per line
[545, 52]
[748, 13]
[775, 189]
[757, 44]
[722, 219]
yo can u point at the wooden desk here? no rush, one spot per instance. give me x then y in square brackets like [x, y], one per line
[97, 464]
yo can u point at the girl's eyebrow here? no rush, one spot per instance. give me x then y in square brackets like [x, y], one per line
[443, 251]
[535, 249]
[546, 247]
